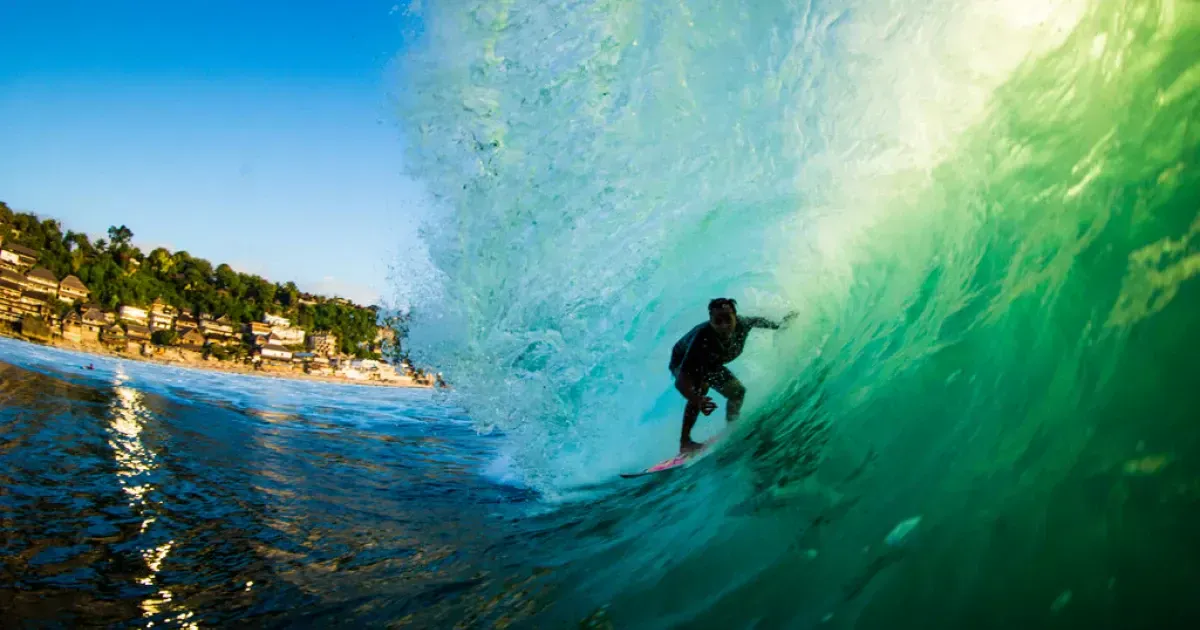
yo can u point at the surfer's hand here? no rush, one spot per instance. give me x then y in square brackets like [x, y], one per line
[707, 405]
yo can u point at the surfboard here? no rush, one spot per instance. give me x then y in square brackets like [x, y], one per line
[678, 461]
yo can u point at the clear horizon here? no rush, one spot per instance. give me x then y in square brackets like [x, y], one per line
[258, 136]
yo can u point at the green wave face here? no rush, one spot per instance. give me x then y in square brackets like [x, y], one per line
[987, 215]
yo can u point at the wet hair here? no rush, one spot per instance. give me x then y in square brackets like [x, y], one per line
[721, 302]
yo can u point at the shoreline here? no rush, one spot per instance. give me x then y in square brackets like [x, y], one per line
[164, 357]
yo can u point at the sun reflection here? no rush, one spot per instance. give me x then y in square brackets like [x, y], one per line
[127, 415]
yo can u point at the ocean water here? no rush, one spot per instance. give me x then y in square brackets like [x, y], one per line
[136, 495]
[985, 213]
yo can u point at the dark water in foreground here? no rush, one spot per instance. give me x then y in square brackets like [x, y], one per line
[137, 495]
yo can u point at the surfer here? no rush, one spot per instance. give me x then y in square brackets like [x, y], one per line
[698, 362]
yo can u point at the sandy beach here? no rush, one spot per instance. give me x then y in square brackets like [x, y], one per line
[180, 358]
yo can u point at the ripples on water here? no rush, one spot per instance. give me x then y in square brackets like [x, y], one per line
[135, 494]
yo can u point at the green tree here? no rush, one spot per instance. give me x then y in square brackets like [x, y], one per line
[289, 295]
[160, 263]
[79, 250]
[164, 337]
[120, 236]
[228, 279]
[61, 309]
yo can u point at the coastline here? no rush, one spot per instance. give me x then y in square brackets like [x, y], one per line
[174, 358]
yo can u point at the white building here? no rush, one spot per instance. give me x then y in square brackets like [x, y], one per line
[220, 327]
[275, 320]
[162, 315]
[272, 351]
[17, 256]
[288, 335]
[393, 374]
[351, 373]
[134, 315]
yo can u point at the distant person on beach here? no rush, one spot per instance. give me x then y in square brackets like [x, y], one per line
[698, 362]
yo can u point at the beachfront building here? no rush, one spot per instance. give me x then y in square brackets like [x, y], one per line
[288, 336]
[281, 327]
[159, 321]
[113, 335]
[18, 297]
[12, 285]
[319, 365]
[258, 329]
[42, 280]
[16, 257]
[134, 315]
[192, 340]
[323, 343]
[34, 302]
[93, 321]
[108, 316]
[392, 374]
[13, 280]
[162, 315]
[220, 329]
[185, 322]
[345, 370]
[72, 328]
[138, 333]
[72, 290]
[276, 353]
[365, 364]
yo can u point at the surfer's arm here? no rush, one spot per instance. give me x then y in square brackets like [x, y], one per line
[769, 324]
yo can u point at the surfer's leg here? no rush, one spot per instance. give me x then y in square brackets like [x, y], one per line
[732, 389]
[688, 384]
[690, 413]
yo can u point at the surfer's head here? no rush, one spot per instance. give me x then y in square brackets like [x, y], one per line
[722, 315]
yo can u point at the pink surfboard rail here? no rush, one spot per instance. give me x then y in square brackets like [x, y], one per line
[677, 461]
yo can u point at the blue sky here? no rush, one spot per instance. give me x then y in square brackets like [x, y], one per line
[256, 133]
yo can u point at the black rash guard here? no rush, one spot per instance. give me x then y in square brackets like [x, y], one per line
[702, 351]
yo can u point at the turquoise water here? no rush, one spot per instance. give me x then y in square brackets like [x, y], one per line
[984, 213]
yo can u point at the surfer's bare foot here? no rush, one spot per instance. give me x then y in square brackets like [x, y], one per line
[689, 446]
